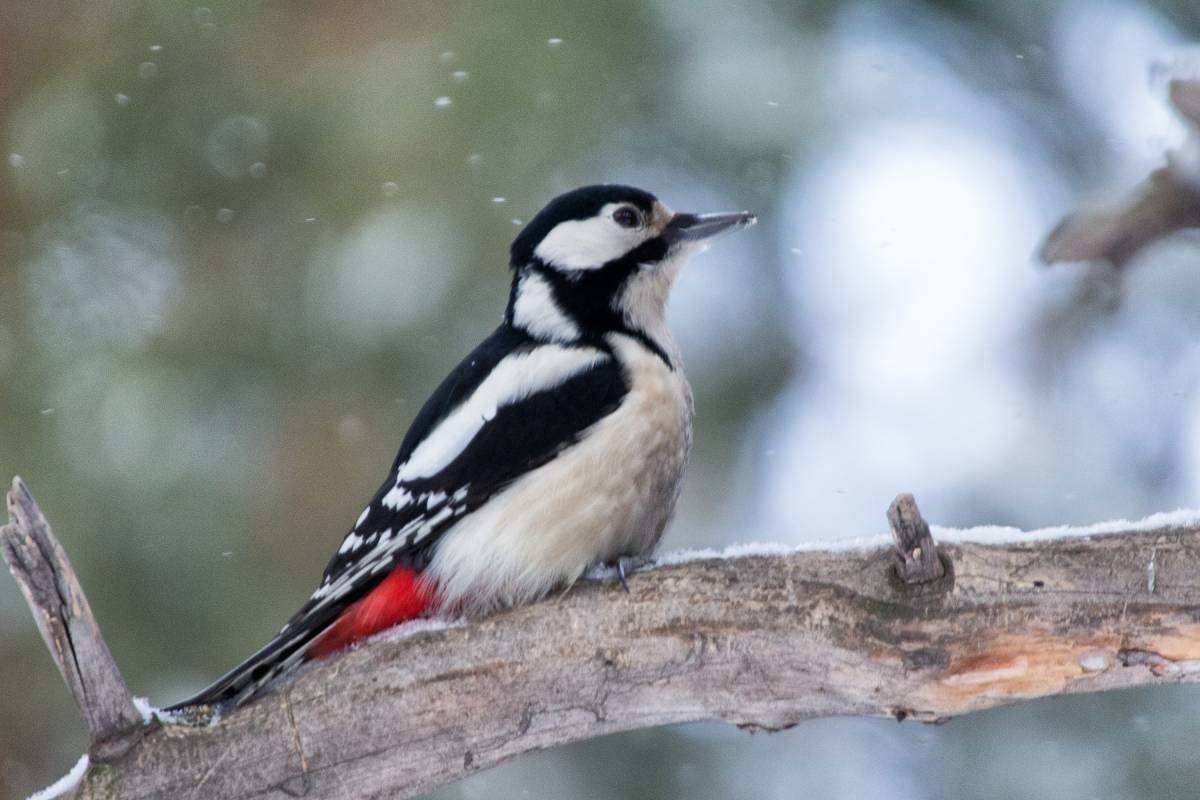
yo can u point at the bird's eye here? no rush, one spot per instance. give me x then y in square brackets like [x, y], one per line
[626, 217]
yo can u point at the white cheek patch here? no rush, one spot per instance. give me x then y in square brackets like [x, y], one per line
[588, 243]
[536, 311]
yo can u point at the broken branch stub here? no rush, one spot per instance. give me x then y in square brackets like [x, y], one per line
[917, 558]
[64, 618]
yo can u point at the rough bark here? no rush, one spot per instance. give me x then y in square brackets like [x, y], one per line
[762, 642]
[67, 625]
[917, 559]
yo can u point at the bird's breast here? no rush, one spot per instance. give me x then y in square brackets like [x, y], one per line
[611, 493]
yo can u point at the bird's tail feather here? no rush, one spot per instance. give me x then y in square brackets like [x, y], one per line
[290, 648]
[321, 627]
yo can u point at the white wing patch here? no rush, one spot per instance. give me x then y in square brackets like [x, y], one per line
[397, 497]
[514, 378]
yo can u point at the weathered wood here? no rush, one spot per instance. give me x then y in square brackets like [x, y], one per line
[917, 559]
[761, 642]
[67, 625]
[1167, 201]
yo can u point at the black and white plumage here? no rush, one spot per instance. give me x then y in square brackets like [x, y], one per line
[558, 443]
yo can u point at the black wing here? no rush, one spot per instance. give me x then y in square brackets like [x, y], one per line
[403, 523]
[405, 520]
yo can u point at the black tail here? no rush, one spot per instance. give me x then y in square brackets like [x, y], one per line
[288, 650]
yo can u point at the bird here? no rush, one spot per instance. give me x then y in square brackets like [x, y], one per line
[559, 443]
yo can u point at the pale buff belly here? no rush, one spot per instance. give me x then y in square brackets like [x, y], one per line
[611, 494]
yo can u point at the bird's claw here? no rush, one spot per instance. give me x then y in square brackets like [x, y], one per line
[627, 565]
[621, 573]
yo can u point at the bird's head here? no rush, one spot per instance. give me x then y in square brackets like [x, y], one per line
[603, 258]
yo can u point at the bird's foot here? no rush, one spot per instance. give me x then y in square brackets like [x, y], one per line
[627, 565]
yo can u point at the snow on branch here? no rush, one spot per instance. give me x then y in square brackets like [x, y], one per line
[763, 639]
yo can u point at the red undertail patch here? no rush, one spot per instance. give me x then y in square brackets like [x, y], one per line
[402, 596]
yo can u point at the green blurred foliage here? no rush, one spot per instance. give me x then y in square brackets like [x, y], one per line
[239, 245]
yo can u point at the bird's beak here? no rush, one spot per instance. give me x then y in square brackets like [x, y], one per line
[694, 227]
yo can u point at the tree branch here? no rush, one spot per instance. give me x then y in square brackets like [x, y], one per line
[762, 642]
[1166, 202]
[65, 620]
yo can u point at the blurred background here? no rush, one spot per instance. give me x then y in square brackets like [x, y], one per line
[240, 243]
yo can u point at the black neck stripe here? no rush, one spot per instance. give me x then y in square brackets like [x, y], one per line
[650, 345]
[586, 298]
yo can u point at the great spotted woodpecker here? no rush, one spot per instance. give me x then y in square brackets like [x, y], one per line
[558, 443]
